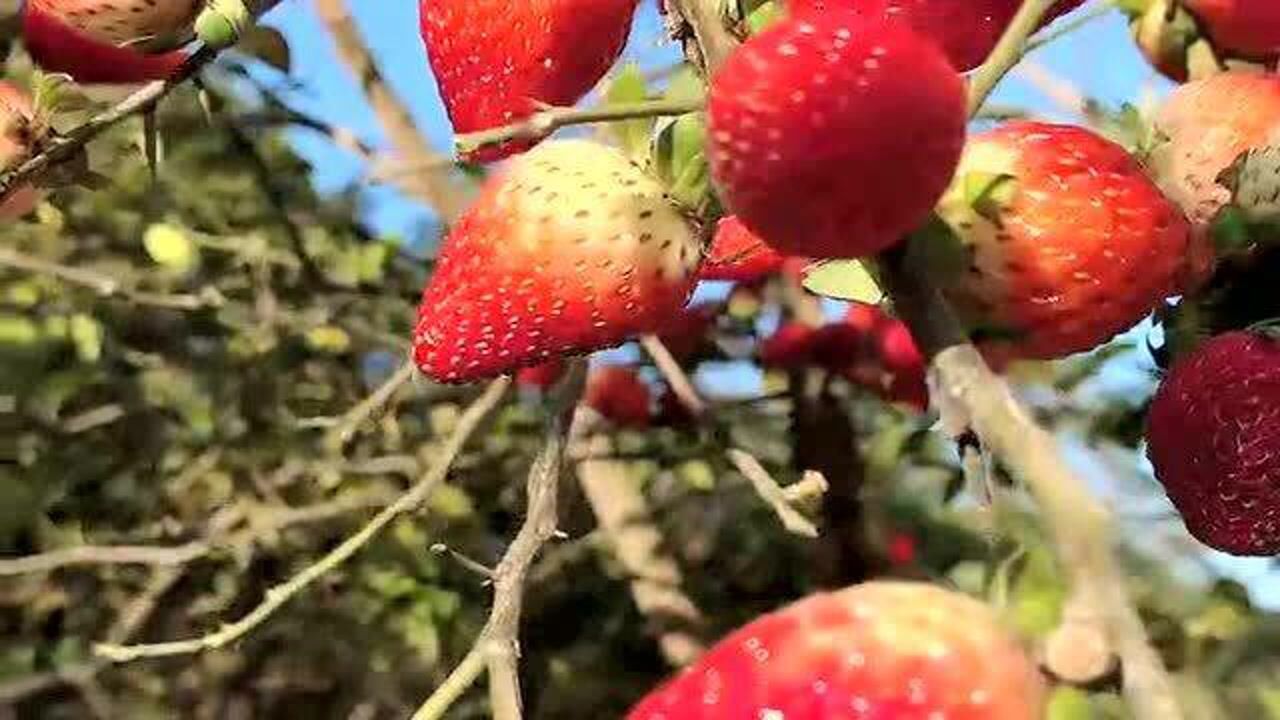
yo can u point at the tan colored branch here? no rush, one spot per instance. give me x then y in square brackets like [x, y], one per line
[626, 524]
[435, 184]
[107, 286]
[772, 493]
[497, 648]
[675, 375]
[547, 121]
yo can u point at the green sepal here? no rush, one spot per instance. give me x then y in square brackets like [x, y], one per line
[939, 251]
[850, 280]
[989, 193]
[222, 22]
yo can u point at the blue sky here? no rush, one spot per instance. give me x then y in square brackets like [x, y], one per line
[1098, 60]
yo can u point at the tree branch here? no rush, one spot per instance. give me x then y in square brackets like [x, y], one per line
[675, 375]
[279, 595]
[107, 286]
[545, 122]
[435, 185]
[497, 647]
[105, 555]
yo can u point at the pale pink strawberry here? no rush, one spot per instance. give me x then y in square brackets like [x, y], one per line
[18, 133]
[574, 249]
[109, 41]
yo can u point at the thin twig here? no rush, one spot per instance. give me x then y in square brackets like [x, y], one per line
[545, 122]
[104, 555]
[437, 187]
[341, 433]
[625, 521]
[105, 285]
[497, 647]
[772, 493]
[279, 595]
[675, 375]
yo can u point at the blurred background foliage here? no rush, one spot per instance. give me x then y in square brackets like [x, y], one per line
[174, 352]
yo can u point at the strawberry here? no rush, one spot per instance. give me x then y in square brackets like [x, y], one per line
[1204, 126]
[1070, 243]
[902, 549]
[876, 351]
[789, 348]
[106, 41]
[686, 333]
[18, 132]
[903, 363]
[497, 61]
[966, 31]
[541, 377]
[885, 650]
[801, 146]
[573, 250]
[1241, 28]
[739, 255]
[1214, 440]
[619, 395]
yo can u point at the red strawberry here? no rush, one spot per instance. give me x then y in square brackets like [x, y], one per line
[541, 377]
[739, 255]
[1213, 436]
[833, 135]
[619, 395]
[876, 351]
[1241, 28]
[103, 41]
[904, 364]
[789, 348]
[686, 333]
[18, 132]
[967, 31]
[885, 650]
[496, 61]
[902, 549]
[1205, 126]
[1070, 242]
[573, 250]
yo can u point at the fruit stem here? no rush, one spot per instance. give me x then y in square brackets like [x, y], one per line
[1007, 52]
[545, 122]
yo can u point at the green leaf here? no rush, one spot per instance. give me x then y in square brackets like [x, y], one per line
[844, 280]
[681, 159]
[633, 135]
[18, 331]
[1068, 703]
[989, 193]
[697, 474]
[170, 247]
[451, 502]
[328, 339]
[764, 16]
[1269, 699]
[86, 334]
[269, 46]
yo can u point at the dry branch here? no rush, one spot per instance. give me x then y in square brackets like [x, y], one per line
[279, 595]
